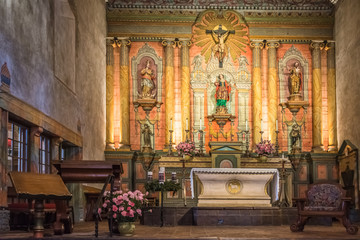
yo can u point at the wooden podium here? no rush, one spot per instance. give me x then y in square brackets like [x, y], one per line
[42, 187]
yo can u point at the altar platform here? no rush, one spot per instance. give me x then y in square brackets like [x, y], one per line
[85, 230]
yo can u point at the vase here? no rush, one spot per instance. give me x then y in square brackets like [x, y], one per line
[263, 158]
[187, 157]
[126, 228]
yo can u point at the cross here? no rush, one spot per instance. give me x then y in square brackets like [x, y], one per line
[220, 36]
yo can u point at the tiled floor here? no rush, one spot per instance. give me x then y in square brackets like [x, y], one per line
[85, 230]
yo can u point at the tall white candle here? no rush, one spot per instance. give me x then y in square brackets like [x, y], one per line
[171, 124]
[200, 124]
[276, 125]
[187, 124]
[246, 125]
[262, 127]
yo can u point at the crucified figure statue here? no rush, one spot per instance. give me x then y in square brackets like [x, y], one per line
[220, 36]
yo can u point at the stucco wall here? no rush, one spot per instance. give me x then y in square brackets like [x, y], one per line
[347, 37]
[55, 52]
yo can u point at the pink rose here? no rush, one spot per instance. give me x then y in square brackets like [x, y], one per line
[131, 203]
[128, 208]
[104, 205]
[99, 211]
[114, 216]
[121, 208]
[114, 208]
[138, 211]
[123, 213]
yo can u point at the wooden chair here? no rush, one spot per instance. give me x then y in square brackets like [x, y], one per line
[325, 200]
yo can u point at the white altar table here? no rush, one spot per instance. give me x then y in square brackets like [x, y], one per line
[235, 187]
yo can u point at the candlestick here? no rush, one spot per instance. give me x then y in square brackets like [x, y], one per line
[162, 175]
[150, 176]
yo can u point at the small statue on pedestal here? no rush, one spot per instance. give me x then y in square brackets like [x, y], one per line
[146, 132]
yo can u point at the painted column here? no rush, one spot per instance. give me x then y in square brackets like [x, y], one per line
[316, 94]
[34, 142]
[109, 94]
[117, 113]
[331, 91]
[272, 45]
[124, 94]
[185, 87]
[257, 45]
[169, 88]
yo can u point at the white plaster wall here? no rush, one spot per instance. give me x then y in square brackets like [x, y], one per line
[34, 51]
[347, 37]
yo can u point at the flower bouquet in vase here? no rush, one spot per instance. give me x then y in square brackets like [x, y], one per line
[186, 150]
[125, 208]
[264, 149]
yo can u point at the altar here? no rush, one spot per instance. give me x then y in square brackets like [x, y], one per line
[235, 187]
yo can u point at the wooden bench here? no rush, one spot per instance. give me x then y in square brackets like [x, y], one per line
[324, 200]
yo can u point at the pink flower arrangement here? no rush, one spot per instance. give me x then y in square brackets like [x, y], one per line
[186, 148]
[126, 207]
[265, 148]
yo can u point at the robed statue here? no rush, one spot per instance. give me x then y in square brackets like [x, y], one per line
[146, 132]
[295, 79]
[147, 82]
[222, 93]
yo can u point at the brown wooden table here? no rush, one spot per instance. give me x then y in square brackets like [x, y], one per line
[42, 187]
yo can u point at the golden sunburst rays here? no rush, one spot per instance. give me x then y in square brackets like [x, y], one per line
[230, 21]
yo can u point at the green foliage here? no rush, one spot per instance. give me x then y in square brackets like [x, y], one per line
[155, 186]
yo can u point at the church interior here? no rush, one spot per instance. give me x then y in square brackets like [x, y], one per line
[225, 113]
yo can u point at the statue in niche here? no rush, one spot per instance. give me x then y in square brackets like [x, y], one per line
[147, 82]
[295, 135]
[222, 94]
[146, 132]
[295, 79]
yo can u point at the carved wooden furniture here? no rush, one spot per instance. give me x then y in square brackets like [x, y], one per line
[326, 200]
[42, 187]
[88, 171]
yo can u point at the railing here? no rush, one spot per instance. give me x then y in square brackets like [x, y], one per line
[97, 215]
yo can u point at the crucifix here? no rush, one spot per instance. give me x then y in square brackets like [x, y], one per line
[220, 36]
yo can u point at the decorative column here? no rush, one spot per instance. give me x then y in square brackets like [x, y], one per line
[272, 45]
[124, 94]
[169, 87]
[257, 45]
[331, 91]
[316, 95]
[109, 94]
[34, 148]
[185, 86]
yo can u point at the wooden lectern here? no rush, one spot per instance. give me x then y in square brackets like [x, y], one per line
[42, 187]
